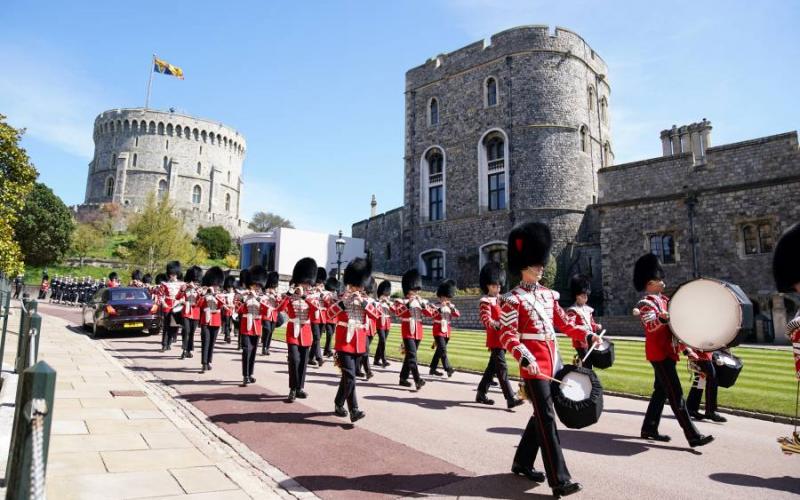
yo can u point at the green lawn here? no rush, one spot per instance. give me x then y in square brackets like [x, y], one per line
[766, 384]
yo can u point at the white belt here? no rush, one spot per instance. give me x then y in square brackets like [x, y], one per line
[297, 326]
[536, 336]
[442, 322]
[412, 324]
[208, 315]
[351, 328]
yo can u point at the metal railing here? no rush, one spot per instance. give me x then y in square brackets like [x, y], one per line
[5, 306]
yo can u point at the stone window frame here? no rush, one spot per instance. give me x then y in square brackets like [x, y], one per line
[423, 265]
[486, 92]
[484, 249]
[162, 193]
[662, 233]
[424, 184]
[608, 154]
[110, 186]
[429, 114]
[227, 202]
[197, 195]
[165, 163]
[584, 139]
[756, 224]
[604, 110]
[483, 171]
[199, 168]
[135, 159]
[592, 96]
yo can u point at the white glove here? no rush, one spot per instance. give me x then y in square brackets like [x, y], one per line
[529, 364]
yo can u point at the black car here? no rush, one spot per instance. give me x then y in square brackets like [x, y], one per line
[121, 309]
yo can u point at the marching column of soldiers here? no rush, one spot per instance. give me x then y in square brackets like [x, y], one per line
[329, 319]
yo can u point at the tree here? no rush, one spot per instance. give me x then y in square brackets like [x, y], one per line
[44, 227]
[267, 221]
[159, 238]
[17, 176]
[215, 239]
[85, 240]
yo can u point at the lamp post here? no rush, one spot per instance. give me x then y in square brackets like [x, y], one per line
[340, 243]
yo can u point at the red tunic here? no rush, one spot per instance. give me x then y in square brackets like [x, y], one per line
[385, 309]
[272, 300]
[189, 295]
[352, 322]
[658, 341]
[441, 319]
[582, 316]
[524, 332]
[490, 318]
[168, 292]
[410, 312]
[251, 313]
[228, 299]
[793, 332]
[210, 307]
[298, 329]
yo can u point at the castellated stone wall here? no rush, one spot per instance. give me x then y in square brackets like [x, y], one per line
[196, 163]
[753, 183]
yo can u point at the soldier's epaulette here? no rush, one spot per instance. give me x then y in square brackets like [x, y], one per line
[486, 299]
[792, 326]
[510, 298]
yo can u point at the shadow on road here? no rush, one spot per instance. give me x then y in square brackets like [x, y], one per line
[433, 404]
[785, 483]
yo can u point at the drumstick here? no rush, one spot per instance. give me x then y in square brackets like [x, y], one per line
[592, 348]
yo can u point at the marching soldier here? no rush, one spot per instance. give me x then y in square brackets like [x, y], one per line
[442, 314]
[241, 288]
[492, 279]
[147, 280]
[18, 284]
[362, 365]
[530, 314]
[332, 289]
[384, 305]
[113, 280]
[705, 378]
[210, 305]
[581, 314]
[351, 311]
[272, 300]
[410, 311]
[786, 271]
[298, 303]
[44, 287]
[170, 306]
[190, 313]
[251, 311]
[318, 319]
[228, 296]
[662, 352]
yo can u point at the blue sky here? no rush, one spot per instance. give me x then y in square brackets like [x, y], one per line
[316, 87]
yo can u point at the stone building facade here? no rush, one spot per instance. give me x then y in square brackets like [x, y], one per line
[497, 134]
[195, 163]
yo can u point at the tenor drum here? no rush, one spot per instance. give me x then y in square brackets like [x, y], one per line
[579, 400]
[727, 367]
[710, 314]
[603, 355]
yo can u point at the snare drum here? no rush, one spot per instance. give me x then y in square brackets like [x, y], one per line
[710, 314]
[727, 367]
[579, 400]
[603, 355]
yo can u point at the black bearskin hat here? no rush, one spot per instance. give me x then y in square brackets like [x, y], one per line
[357, 273]
[370, 286]
[214, 277]
[174, 267]
[385, 288]
[447, 289]
[529, 245]
[112, 276]
[322, 275]
[786, 260]
[332, 284]
[243, 274]
[580, 283]
[273, 280]
[147, 279]
[161, 278]
[193, 275]
[491, 274]
[230, 282]
[136, 275]
[411, 281]
[647, 268]
[305, 271]
[256, 275]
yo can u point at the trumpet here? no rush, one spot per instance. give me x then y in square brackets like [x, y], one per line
[521, 392]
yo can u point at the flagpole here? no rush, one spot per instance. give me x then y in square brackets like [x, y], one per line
[149, 82]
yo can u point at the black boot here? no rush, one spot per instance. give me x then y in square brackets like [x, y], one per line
[450, 372]
[566, 489]
[245, 381]
[292, 396]
[301, 394]
[529, 472]
[189, 354]
[339, 411]
[482, 399]
[716, 417]
[655, 436]
[420, 384]
[697, 415]
[405, 383]
[436, 372]
[356, 414]
[513, 403]
[700, 440]
[183, 355]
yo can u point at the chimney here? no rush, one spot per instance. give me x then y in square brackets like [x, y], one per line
[694, 138]
[373, 207]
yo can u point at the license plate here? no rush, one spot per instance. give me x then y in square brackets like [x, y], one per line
[133, 325]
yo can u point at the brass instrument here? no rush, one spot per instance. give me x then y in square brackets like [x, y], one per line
[790, 445]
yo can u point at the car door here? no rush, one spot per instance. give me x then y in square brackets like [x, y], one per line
[98, 303]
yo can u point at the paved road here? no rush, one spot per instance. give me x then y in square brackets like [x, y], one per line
[437, 441]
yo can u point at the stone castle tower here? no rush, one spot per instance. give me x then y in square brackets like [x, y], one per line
[497, 134]
[195, 163]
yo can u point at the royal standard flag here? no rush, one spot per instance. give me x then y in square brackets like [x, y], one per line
[166, 68]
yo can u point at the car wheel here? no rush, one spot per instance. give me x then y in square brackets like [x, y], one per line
[153, 331]
[97, 330]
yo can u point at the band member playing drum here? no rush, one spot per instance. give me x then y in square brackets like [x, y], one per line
[705, 378]
[443, 312]
[581, 314]
[530, 313]
[492, 279]
[410, 311]
[662, 353]
[786, 270]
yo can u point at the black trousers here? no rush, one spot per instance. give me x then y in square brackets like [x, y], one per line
[227, 326]
[363, 359]
[268, 328]
[330, 328]
[187, 334]
[541, 433]
[316, 334]
[380, 351]
[581, 353]
[170, 328]
[347, 385]
[441, 353]
[208, 337]
[667, 385]
[496, 367]
[696, 393]
[410, 360]
[298, 361]
[249, 346]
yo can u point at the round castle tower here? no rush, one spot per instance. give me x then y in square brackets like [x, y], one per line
[195, 163]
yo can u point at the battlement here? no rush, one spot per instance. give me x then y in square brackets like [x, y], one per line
[521, 39]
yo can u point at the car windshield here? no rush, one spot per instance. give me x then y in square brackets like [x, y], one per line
[129, 294]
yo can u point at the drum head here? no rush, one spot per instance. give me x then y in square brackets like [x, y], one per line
[577, 386]
[705, 314]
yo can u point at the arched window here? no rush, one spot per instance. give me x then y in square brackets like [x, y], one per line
[160, 128]
[433, 112]
[204, 135]
[491, 92]
[196, 134]
[166, 162]
[607, 155]
[109, 187]
[494, 251]
[227, 202]
[169, 129]
[126, 126]
[152, 127]
[162, 189]
[432, 185]
[604, 110]
[135, 159]
[197, 194]
[584, 139]
[199, 168]
[495, 146]
[591, 99]
[229, 176]
[179, 131]
[662, 245]
[432, 264]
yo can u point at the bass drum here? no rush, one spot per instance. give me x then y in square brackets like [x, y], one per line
[710, 314]
[727, 367]
[579, 399]
[281, 320]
